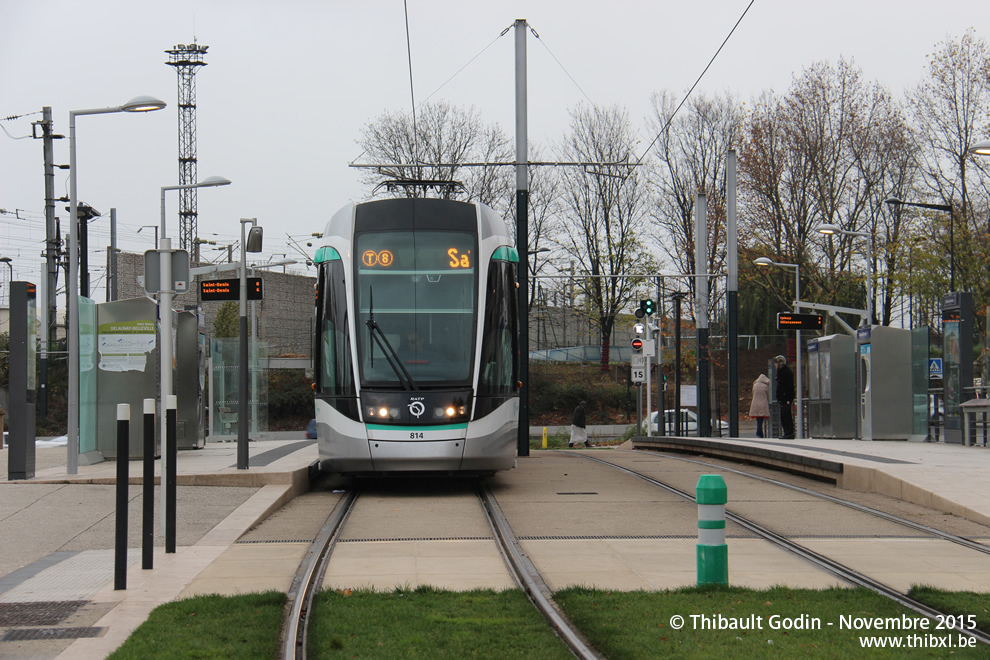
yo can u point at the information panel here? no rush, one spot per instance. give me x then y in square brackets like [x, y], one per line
[789, 321]
[230, 289]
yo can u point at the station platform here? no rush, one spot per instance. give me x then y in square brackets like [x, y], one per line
[58, 528]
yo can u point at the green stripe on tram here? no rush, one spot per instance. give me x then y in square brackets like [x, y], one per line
[444, 427]
[326, 253]
[506, 253]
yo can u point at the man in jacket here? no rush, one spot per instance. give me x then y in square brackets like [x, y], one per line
[785, 396]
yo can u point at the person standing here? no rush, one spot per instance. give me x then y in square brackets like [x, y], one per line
[785, 396]
[579, 431]
[760, 408]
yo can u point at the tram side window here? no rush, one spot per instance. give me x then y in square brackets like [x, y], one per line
[336, 377]
[499, 344]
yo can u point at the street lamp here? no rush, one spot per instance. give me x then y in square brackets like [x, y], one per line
[766, 261]
[828, 230]
[168, 291]
[137, 104]
[250, 243]
[8, 260]
[155, 227]
[982, 148]
[893, 201]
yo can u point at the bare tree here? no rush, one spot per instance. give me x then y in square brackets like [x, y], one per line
[690, 158]
[443, 140]
[824, 153]
[951, 111]
[606, 213]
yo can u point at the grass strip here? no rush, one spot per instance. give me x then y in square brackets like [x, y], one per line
[428, 623]
[425, 622]
[734, 623]
[245, 626]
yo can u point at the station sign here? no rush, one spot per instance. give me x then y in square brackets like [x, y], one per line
[791, 321]
[230, 289]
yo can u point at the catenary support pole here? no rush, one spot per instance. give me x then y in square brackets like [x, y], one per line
[522, 234]
[701, 311]
[732, 292]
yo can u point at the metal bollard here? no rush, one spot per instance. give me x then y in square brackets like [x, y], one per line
[120, 536]
[713, 553]
[544, 437]
[171, 448]
[148, 488]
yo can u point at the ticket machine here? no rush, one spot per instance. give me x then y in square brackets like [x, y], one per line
[832, 387]
[884, 383]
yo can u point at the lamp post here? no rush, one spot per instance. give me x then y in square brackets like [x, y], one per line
[893, 201]
[10, 279]
[829, 229]
[155, 227]
[249, 243]
[982, 148]
[766, 261]
[166, 294]
[137, 104]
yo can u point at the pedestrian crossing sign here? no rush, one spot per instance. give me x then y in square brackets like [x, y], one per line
[934, 367]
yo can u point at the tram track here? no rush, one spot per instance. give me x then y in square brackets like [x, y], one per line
[309, 577]
[827, 564]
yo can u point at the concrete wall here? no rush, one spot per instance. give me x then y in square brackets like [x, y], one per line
[285, 316]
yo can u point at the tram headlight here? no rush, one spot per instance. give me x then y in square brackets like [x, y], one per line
[383, 412]
[449, 411]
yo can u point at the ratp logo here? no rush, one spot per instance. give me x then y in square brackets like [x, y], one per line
[416, 408]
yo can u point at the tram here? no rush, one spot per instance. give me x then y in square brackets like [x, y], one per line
[416, 344]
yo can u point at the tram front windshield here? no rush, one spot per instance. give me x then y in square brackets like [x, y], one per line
[420, 290]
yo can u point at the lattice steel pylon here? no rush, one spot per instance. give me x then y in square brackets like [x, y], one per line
[187, 58]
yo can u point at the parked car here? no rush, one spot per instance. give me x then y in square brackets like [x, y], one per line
[689, 423]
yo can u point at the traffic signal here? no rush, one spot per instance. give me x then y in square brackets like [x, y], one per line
[637, 345]
[647, 307]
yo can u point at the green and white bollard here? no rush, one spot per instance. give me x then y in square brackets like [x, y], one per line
[713, 553]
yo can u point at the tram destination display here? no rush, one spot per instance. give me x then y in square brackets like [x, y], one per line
[789, 321]
[230, 289]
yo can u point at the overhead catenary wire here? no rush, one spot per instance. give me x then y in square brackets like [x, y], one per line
[688, 95]
[412, 91]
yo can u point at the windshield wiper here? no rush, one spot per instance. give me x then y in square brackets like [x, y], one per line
[378, 335]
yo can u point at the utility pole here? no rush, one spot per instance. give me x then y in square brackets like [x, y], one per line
[51, 251]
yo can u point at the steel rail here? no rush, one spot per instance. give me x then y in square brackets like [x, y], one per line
[309, 576]
[529, 578]
[945, 536]
[829, 565]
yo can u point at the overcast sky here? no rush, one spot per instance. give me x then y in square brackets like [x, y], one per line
[289, 85]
